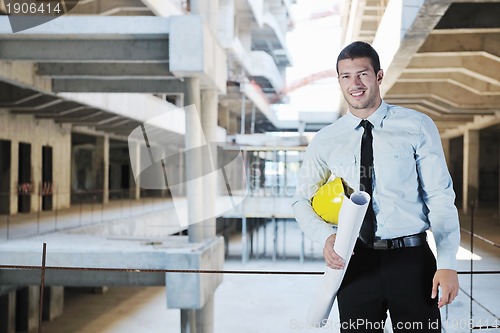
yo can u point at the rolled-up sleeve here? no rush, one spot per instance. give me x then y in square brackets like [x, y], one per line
[313, 174]
[438, 194]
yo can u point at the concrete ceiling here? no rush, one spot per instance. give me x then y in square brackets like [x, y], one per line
[44, 104]
[448, 64]
[67, 68]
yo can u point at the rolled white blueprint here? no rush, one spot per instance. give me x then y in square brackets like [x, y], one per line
[351, 216]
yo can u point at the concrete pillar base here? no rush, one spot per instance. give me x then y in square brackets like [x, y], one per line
[27, 308]
[8, 313]
[198, 321]
[100, 290]
[53, 303]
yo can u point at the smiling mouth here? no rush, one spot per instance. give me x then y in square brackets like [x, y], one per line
[357, 93]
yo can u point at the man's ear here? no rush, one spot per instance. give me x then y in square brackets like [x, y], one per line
[380, 75]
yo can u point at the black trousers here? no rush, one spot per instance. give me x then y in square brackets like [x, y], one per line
[398, 280]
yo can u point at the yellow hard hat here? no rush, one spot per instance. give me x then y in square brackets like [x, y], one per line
[327, 201]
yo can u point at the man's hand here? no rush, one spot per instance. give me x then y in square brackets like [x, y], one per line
[332, 259]
[447, 280]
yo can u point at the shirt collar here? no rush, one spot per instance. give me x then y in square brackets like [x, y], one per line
[375, 118]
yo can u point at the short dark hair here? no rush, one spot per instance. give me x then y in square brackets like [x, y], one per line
[357, 50]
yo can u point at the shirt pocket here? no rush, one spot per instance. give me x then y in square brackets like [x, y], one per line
[395, 167]
[346, 167]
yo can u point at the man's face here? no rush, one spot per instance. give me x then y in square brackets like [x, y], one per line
[360, 85]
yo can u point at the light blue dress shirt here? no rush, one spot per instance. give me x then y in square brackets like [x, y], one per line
[412, 188]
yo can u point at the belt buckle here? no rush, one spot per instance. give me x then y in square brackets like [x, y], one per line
[383, 244]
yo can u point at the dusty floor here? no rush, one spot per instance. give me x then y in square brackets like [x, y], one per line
[270, 303]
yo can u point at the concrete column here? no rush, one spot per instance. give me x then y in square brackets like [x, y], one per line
[14, 175]
[53, 302]
[101, 166]
[233, 125]
[252, 121]
[446, 148]
[208, 10]
[36, 175]
[223, 119]
[471, 169]
[243, 114]
[193, 321]
[193, 140]
[188, 321]
[209, 102]
[245, 33]
[205, 317]
[27, 308]
[136, 183]
[226, 20]
[105, 193]
[181, 169]
[8, 313]
[197, 321]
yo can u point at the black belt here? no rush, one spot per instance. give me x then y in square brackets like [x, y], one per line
[398, 243]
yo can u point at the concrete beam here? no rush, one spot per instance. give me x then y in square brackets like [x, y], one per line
[174, 86]
[433, 106]
[455, 77]
[354, 23]
[163, 8]
[107, 70]
[22, 74]
[401, 33]
[477, 64]
[98, 260]
[83, 278]
[479, 122]
[262, 64]
[85, 50]
[463, 40]
[60, 109]
[471, 15]
[126, 105]
[453, 95]
[35, 102]
[93, 27]
[101, 7]
[123, 39]
[202, 57]
[93, 119]
[193, 291]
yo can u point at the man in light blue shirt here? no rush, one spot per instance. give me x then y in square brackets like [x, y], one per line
[411, 192]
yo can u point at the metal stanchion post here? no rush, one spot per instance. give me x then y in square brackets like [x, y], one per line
[42, 287]
[284, 238]
[57, 204]
[8, 224]
[471, 259]
[81, 213]
[39, 208]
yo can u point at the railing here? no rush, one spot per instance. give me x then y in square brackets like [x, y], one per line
[86, 207]
[488, 317]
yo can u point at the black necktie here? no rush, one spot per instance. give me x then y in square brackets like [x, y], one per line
[367, 232]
